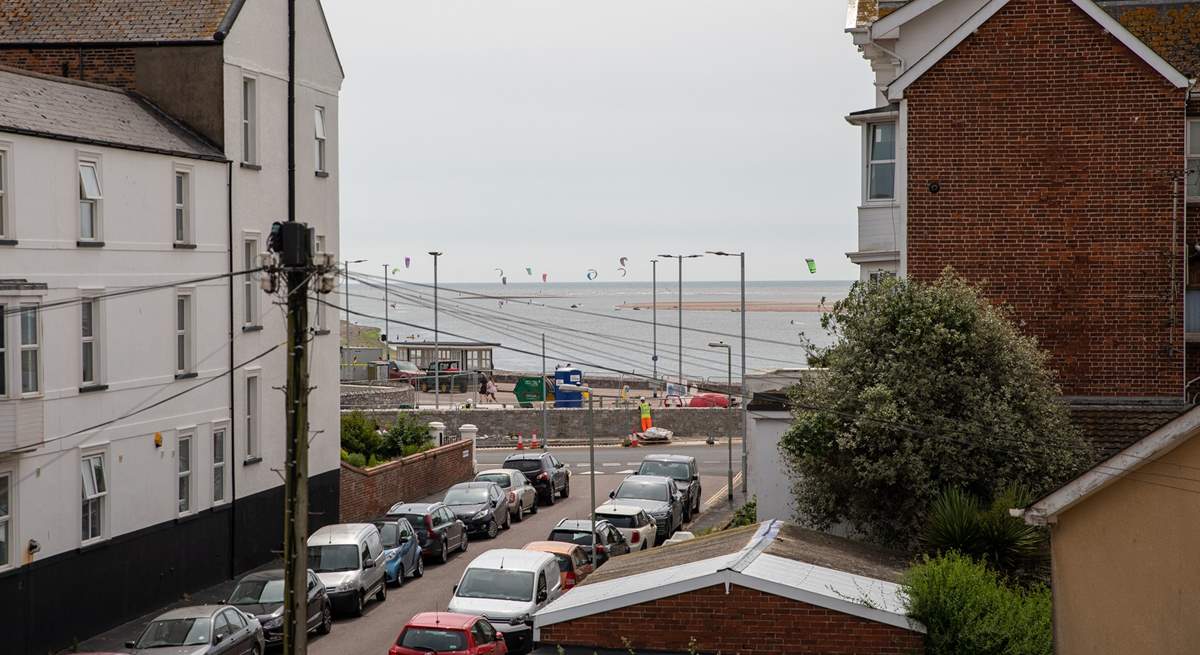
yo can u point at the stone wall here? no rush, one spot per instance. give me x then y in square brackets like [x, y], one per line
[368, 493]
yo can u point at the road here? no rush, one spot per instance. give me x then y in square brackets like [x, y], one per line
[376, 630]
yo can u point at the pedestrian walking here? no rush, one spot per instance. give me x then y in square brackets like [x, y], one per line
[490, 389]
[645, 410]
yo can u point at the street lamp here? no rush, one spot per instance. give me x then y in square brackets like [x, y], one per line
[745, 400]
[387, 323]
[437, 343]
[346, 267]
[680, 258]
[591, 449]
[654, 305]
[729, 389]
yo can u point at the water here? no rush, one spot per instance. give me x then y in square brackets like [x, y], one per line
[586, 326]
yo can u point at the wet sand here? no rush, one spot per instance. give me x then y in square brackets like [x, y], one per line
[730, 306]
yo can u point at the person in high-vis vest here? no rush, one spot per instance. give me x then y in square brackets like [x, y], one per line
[645, 409]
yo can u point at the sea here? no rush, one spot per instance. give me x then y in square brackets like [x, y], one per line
[585, 325]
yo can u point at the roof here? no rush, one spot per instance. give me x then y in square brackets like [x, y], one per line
[411, 508]
[446, 344]
[110, 21]
[269, 574]
[1122, 465]
[558, 547]
[613, 507]
[537, 455]
[191, 612]
[474, 484]
[668, 457]
[1113, 426]
[1170, 27]
[82, 112]
[442, 620]
[340, 531]
[580, 525]
[501, 558]
[864, 12]
[773, 557]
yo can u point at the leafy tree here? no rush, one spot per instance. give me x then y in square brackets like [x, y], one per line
[407, 436]
[927, 387]
[958, 522]
[359, 434]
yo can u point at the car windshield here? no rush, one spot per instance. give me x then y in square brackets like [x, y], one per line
[436, 640]
[418, 523]
[330, 559]
[406, 366]
[501, 479]
[389, 534]
[572, 537]
[620, 520]
[472, 496]
[565, 564]
[255, 592]
[643, 489]
[496, 584]
[677, 470]
[175, 632]
[524, 465]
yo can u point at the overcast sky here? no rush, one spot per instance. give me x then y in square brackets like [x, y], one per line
[565, 134]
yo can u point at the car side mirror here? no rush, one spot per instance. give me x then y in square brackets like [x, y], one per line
[454, 589]
[612, 494]
[218, 639]
[541, 596]
[369, 564]
[696, 478]
[131, 644]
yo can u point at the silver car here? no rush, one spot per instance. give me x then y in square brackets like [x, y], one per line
[522, 497]
[201, 630]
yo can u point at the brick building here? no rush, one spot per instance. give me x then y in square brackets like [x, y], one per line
[1039, 147]
[765, 589]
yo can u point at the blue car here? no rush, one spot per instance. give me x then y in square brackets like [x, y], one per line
[401, 550]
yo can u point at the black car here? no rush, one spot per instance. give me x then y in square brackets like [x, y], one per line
[482, 506]
[548, 475]
[578, 532]
[682, 469]
[438, 530]
[659, 496]
[261, 594]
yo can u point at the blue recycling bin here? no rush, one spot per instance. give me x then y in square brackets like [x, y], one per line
[567, 375]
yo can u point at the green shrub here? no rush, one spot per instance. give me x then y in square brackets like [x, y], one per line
[746, 514]
[958, 522]
[359, 434]
[354, 459]
[968, 610]
[407, 436]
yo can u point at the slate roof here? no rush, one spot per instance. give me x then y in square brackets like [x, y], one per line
[1111, 426]
[104, 21]
[1171, 29]
[58, 108]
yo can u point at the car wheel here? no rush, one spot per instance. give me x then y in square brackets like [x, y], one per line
[566, 492]
[420, 570]
[493, 528]
[381, 595]
[445, 555]
[507, 518]
[520, 513]
[533, 509]
[400, 575]
[326, 620]
[550, 497]
[687, 514]
[360, 602]
[464, 542]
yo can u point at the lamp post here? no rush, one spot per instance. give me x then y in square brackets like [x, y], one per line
[729, 389]
[437, 343]
[680, 258]
[654, 317]
[591, 449]
[745, 400]
[346, 267]
[387, 323]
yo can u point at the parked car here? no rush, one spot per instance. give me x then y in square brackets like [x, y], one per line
[260, 595]
[507, 587]
[548, 475]
[682, 469]
[656, 494]
[481, 506]
[404, 370]
[450, 378]
[348, 559]
[632, 521]
[430, 633]
[574, 565]
[201, 630]
[521, 495]
[437, 529]
[579, 532]
[401, 549]
[709, 400]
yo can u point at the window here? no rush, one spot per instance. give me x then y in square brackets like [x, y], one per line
[218, 465]
[185, 474]
[183, 337]
[4, 227]
[94, 492]
[252, 412]
[249, 121]
[319, 155]
[1193, 161]
[90, 354]
[182, 210]
[250, 259]
[881, 165]
[89, 202]
[3, 352]
[5, 514]
[30, 364]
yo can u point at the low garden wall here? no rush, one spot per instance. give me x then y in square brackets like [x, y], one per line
[368, 492]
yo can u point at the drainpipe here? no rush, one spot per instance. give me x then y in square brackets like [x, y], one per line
[232, 447]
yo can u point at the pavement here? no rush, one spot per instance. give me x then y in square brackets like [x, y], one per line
[375, 631]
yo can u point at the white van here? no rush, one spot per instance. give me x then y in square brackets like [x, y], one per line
[348, 558]
[508, 586]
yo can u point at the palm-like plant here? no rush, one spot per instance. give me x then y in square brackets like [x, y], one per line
[959, 522]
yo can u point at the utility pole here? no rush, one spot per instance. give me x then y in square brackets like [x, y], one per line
[387, 323]
[437, 340]
[654, 316]
[680, 258]
[545, 434]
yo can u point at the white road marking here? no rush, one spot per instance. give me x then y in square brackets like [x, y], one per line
[721, 494]
[610, 464]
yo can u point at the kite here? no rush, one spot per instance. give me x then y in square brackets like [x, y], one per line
[407, 262]
[812, 265]
[528, 271]
[623, 271]
[623, 260]
[395, 270]
[592, 274]
[544, 276]
[500, 271]
[503, 280]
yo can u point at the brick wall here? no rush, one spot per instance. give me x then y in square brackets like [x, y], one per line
[744, 621]
[111, 66]
[1053, 146]
[368, 493]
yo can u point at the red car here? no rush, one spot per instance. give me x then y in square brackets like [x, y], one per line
[709, 400]
[445, 633]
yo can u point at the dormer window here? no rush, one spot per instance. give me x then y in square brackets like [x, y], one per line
[881, 162]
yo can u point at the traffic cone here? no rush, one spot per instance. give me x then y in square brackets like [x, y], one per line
[633, 439]
[520, 442]
[533, 443]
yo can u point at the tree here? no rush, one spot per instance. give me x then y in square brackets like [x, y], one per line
[927, 386]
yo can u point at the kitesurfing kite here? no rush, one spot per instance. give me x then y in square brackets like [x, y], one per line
[592, 274]
[528, 270]
[503, 280]
[544, 276]
[812, 265]
[623, 260]
[407, 262]
[622, 270]
[500, 271]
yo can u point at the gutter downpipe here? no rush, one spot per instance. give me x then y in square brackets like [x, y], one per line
[232, 447]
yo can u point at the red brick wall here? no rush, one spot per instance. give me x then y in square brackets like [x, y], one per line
[368, 493]
[744, 621]
[1054, 145]
[111, 66]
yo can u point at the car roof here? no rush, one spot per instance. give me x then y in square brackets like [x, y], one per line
[474, 484]
[619, 509]
[191, 612]
[668, 457]
[339, 533]
[412, 508]
[558, 547]
[508, 472]
[511, 558]
[525, 456]
[580, 525]
[442, 620]
[660, 479]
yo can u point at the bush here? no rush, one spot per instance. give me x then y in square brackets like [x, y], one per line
[968, 610]
[354, 459]
[407, 436]
[958, 522]
[927, 387]
[360, 434]
[746, 514]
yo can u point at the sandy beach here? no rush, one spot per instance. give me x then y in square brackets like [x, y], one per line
[730, 306]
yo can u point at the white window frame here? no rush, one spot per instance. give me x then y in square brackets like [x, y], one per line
[868, 163]
[6, 521]
[181, 212]
[320, 140]
[92, 197]
[220, 459]
[6, 338]
[249, 95]
[6, 214]
[185, 330]
[96, 340]
[250, 290]
[98, 495]
[1192, 148]
[185, 495]
[252, 414]
[35, 347]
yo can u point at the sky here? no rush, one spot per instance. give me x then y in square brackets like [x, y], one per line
[565, 134]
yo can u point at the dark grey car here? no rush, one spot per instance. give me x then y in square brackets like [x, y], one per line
[201, 630]
[261, 595]
[659, 496]
[682, 469]
[579, 532]
[481, 506]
